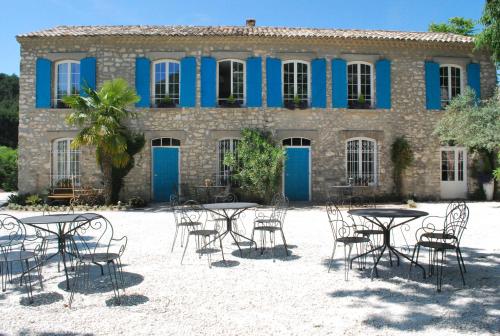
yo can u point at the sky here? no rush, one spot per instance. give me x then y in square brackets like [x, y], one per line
[22, 16]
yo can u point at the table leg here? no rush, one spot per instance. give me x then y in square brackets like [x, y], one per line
[62, 251]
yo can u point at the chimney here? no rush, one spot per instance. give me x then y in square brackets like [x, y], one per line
[250, 22]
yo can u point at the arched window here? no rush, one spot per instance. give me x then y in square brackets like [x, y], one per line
[67, 81]
[361, 161]
[166, 83]
[165, 142]
[231, 82]
[450, 80]
[296, 82]
[65, 164]
[224, 147]
[296, 142]
[359, 85]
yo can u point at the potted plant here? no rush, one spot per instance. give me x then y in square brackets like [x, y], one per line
[231, 101]
[296, 103]
[165, 102]
[361, 103]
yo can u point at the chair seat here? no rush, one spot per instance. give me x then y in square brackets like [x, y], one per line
[204, 233]
[437, 245]
[16, 256]
[353, 240]
[99, 257]
[266, 220]
[369, 232]
[189, 224]
[437, 235]
[268, 228]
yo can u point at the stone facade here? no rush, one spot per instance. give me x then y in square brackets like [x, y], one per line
[199, 129]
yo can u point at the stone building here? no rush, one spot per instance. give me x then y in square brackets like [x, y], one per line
[335, 99]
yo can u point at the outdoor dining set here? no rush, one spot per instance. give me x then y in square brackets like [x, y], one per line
[82, 241]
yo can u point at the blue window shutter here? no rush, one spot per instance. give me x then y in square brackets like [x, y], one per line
[432, 86]
[318, 87]
[208, 82]
[87, 73]
[254, 81]
[273, 78]
[43, 82]
[473, 78]
[143, 81]
[339, 83]
[383, 71]
[188, 82]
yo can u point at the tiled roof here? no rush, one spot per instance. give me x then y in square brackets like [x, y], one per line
[282, 32]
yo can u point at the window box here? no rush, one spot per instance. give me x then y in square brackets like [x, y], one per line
[165, 104]
[293, 106]
[359, 105]
[227, 104]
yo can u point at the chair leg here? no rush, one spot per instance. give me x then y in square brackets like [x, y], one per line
[284, 243]
[460, 266]
[175, 238]
[75, 283]
[462, 259]
[411, 261]
[333, 253]
[185, 248]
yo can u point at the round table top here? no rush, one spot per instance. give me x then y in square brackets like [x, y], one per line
[388, 213]
[229, 206]
[58, 218]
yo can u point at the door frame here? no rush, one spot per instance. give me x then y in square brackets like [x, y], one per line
[152, 167]
[465, 168]
[310, 172]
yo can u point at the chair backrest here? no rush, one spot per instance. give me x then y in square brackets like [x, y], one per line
[90, 236]
[456, 220]
[340, 228]
[280, 208]
[12, 233]
[191, 212]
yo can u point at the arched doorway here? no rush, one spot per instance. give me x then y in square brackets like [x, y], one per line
[165, 177]
[297, 170]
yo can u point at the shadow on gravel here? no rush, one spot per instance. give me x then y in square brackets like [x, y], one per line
[471, 308]
[127, 301]
[42, 299]
[227, 263]
[279, 253]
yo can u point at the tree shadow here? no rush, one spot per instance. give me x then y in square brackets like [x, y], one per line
[469, 308]
[28, 332]
[42, 299]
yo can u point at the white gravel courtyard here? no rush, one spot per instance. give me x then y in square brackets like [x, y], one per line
[252, 295]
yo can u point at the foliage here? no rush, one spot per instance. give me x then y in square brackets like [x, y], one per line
[19, 199]
[100, 114]
[490, 36]
[135, 143]
[455, 25]
[34, 199]
[137, 202]
[258, 165]
[9, 110]
[402, 158]
[8, 168]
[496, 172]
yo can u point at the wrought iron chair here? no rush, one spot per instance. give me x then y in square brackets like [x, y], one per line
[270, 223]
[346, 234]
[93, 242]
[195, 219]
[17, 247]
[181, 221]
[442, 240]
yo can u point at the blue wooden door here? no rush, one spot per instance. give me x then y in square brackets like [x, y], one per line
[297, 170]
[165, 172]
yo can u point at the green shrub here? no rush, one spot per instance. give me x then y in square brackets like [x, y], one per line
[137, 202]
[34, 199]
[8, 168]
[19, 199]
[402, 158]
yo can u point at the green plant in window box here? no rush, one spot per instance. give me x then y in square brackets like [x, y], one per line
[360, 103]
[61, 104]
[165, 102]
[231, 101]
[296, 103]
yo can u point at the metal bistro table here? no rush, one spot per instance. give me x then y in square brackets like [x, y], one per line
[373, 215]
[230, 211]
[62, 229]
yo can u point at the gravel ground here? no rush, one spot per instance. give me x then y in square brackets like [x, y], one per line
[253, 295]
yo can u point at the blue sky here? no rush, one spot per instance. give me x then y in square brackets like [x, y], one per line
[21, 16]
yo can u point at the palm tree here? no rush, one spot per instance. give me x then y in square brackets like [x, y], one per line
[99, 115]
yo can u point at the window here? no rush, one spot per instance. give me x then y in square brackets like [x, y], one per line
[361, 161]
[296, 82]
[65, 164]
[450, 81]
[165, 142]
[452, 165]
[224, 172]
[231, 82]
[359, 85]
[296, 142]
[166, 83]
[67, 81]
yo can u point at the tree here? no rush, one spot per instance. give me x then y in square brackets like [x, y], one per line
[9, 110]
[472, 124]
[455, 25]
[259, 163]
[100, 114]
[490, 36]
[402, 158]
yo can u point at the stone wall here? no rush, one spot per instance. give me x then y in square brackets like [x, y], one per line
[199, 129]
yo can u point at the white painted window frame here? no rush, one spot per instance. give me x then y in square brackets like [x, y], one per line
[448, 66]
[153, 73]
[295, 62]
[358, 86]
[218, 153]
[232, 74]
[55, 160]
[68, 80]
[360, 157]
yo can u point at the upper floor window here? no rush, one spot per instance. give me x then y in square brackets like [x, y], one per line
[166, 83]
[224, 147]
[450, 80]
[65, 164]
[359, 85]
[231, 82]
[296, 83]
[67, 81]
[361, 159]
